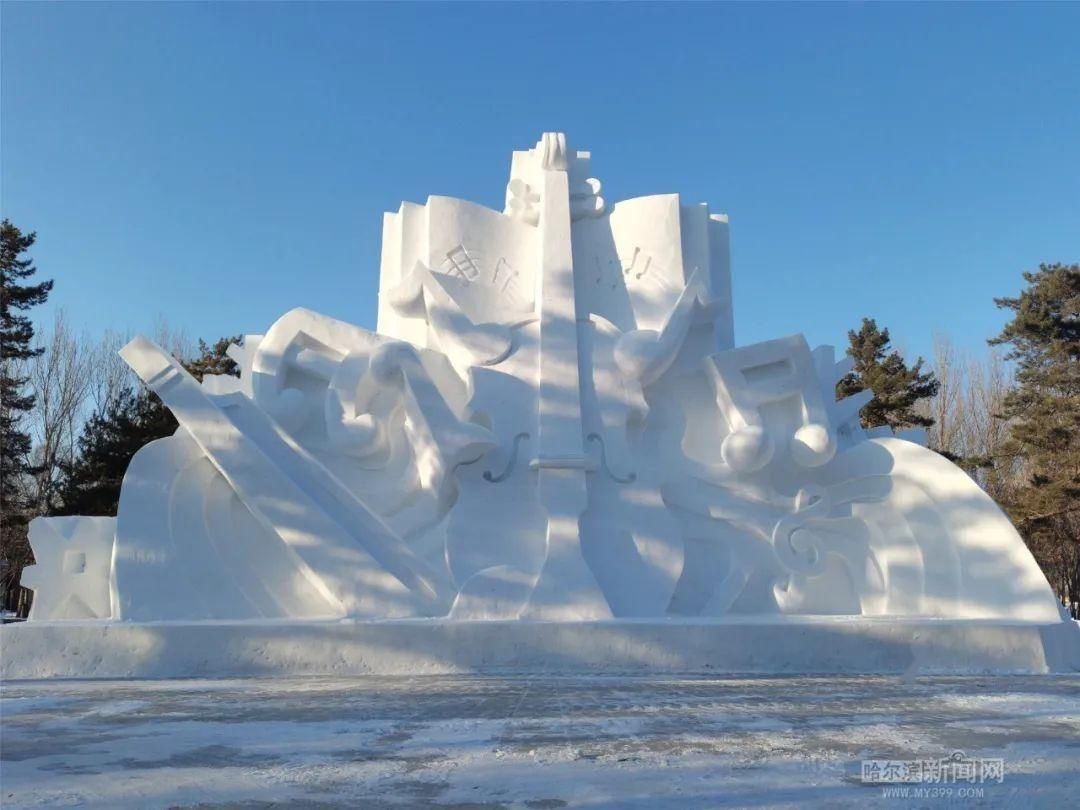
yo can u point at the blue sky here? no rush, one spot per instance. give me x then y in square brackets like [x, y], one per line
[218, 164]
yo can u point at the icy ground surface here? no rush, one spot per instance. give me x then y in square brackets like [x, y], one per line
[529, 742]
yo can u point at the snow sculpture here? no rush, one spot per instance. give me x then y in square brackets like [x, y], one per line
[552, 422]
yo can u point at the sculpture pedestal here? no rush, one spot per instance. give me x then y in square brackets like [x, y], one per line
[806, 645]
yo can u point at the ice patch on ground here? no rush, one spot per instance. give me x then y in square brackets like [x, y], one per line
[525, 743]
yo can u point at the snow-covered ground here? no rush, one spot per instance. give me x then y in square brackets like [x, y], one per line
[532, 742]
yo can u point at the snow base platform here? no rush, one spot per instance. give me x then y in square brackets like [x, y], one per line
[804, 645]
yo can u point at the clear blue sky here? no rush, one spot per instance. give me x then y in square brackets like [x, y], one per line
[219, 164]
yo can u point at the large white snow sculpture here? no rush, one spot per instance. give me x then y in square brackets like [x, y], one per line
[552, 423]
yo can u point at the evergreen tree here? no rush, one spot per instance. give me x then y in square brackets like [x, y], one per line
[16, 334]
[896, 387]
[1044, 409]
[214, 359]
[91, 485]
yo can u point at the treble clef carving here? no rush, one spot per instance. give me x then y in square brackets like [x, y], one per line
[811, 503]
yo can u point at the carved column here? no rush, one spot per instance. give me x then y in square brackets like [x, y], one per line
[566, 588]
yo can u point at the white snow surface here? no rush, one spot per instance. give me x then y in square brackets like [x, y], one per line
[528, 742]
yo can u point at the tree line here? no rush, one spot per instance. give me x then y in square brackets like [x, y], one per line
[72, 415]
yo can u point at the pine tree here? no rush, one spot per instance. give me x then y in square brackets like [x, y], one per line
[91, 485]
[16, 334]
[214, 359]
[897, 388]
[1044, 409]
